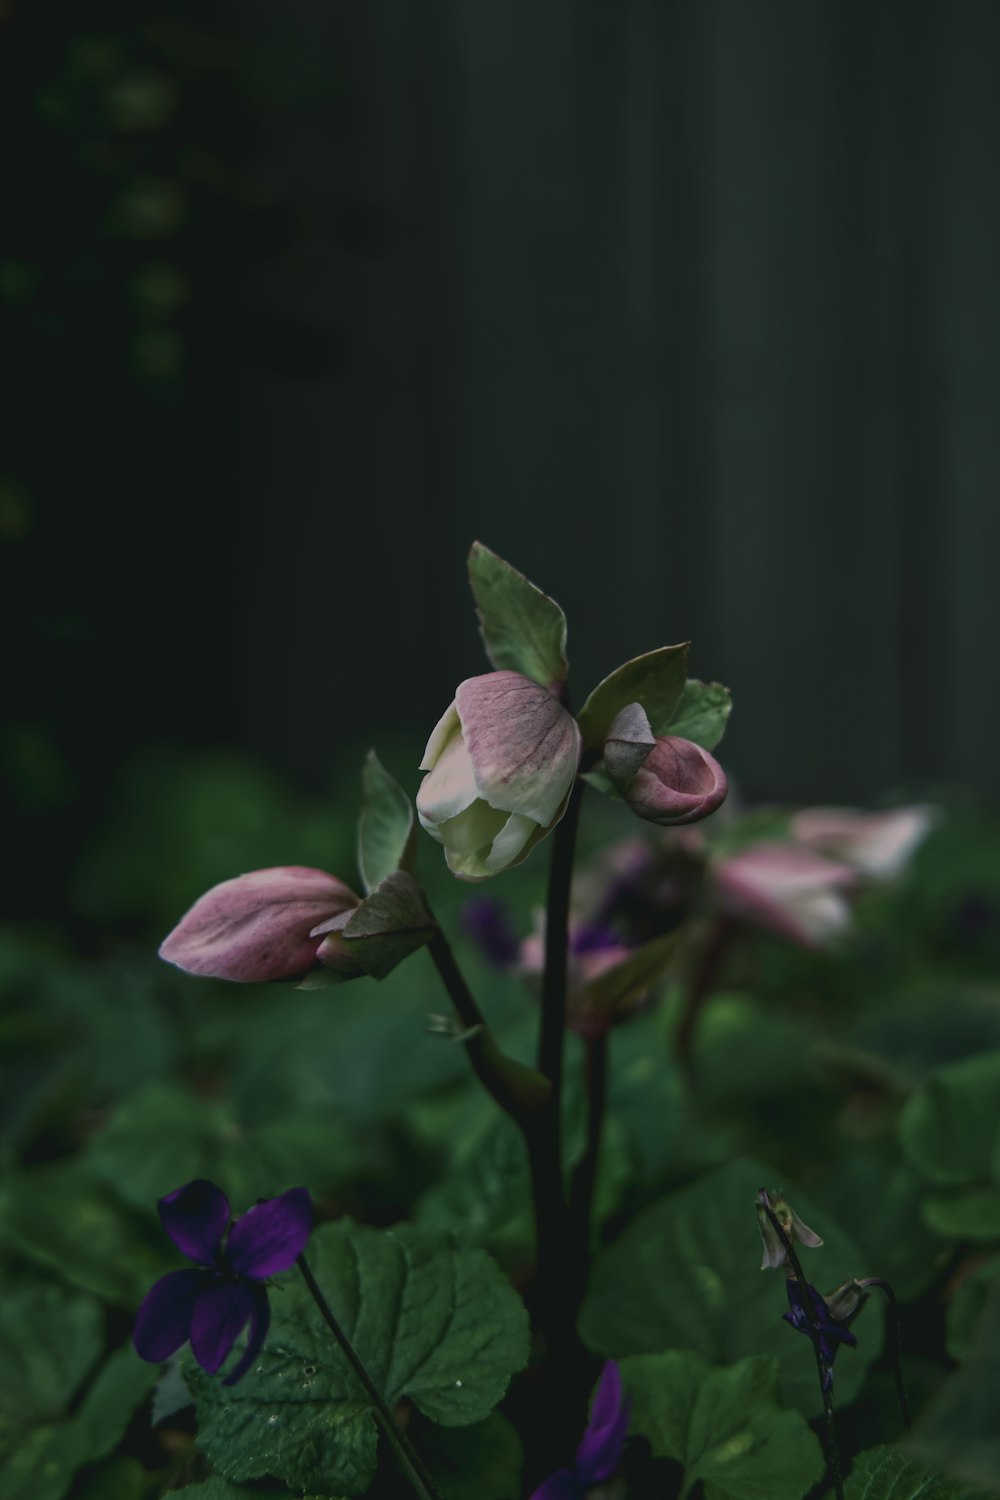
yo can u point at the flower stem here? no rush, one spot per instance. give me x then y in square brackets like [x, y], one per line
[897, 1345]
[832, 1450]
[582, 1195]
[413, 1464]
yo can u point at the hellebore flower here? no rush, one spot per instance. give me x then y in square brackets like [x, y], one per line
[211, 1305]
[601, 1447]
[786, 889]
[830, 1332]
[878, 845]
[775, 1255]
[663, 778]
[265, 925]
[500, 767]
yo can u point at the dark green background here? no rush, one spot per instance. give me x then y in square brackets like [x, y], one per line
[689, 309]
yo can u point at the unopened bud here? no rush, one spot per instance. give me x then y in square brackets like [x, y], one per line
[663, 778]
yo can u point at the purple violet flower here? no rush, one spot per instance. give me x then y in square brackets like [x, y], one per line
[831, 1332]
[212, 1305]
[602, 1443]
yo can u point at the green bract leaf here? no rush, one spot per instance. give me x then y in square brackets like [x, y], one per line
[656, 681]
[386, 832]
[701, 713]
[436, 1324]
[614, 988]
[724, 1425]
[389, 925]
[958, 1432]
[950, 1125]
[522, 628]
[685, 1273]
[888, 1474]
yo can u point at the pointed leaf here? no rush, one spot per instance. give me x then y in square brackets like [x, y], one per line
[432, 1323]
[724, 1425]
[655, 681]
[386, 831]
[701, 713]
[523, 629]
[389, 925]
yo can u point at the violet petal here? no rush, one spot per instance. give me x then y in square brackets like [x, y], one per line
[163, 1322]
[260, 1321]
[219, 1316]
[195, 1217]
[562, 1485]
[271, 1237]
[603, 1441]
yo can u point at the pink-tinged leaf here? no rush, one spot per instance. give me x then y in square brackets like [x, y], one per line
[259, 926]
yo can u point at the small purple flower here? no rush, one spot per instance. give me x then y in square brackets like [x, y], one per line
[829, 1333]
[602, 1443]
[488, 924]
[212, 1305]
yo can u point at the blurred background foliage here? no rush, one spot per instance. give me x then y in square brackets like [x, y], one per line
[688, 309]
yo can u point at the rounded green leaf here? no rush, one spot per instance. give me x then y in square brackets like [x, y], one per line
[436, 1324]
[701, 713]
[655, 681]
[724, 1426]
[888, 1474]
[950, 1125]
[686, 1274]
[386, 832]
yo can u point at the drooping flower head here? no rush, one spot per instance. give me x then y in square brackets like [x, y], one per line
[213, 1304]
[829, 1331]
[269, 924]
[602, 1443]
[500, 766]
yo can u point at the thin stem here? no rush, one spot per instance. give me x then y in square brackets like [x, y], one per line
[410, 1459]
[585, 1176]
[550, 1041]
[832, 1450]
[477, 1038]
[897, 1344]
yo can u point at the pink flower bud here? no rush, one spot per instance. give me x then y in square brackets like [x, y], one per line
[663, 778]
[260, 926]
[876, 844]
[501, 764]
[786, 889]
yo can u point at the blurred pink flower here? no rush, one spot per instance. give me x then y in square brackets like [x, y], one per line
[787, 889]
[876, 844]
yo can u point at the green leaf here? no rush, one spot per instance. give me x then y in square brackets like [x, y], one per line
[433, 1323]
[51, 1338]
[36, 1463]
[482, 1462]
[122, 1383]
[166, 1135]
[615, 988]
[389, 925]
[701, 713]
[217, 1488]
[889, 1474]
[724, 1425]
[685, 1273]
[386, 832]
[57, 1219]
[120, 1479]
[656, 681]
[950, 1126]
[881, 1197]
[522, 628]
[958, 1432]
[968, 1306]
[972, 1214]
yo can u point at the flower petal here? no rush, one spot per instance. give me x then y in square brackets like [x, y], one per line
[163, 1322]
[271, 1237]
[218, 1319]
[603, 1441]
[195, 1217]
[260, 1321]
[525, 747]
[562, 1485]
[450, 784]
[257, 927]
